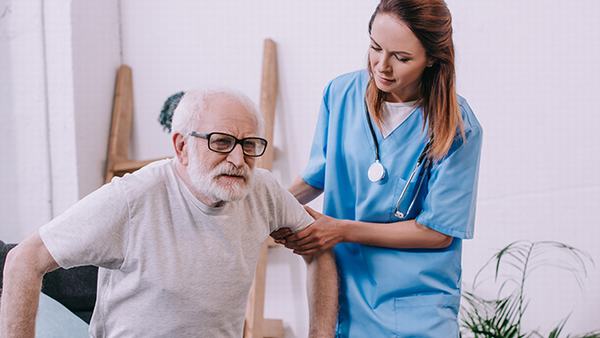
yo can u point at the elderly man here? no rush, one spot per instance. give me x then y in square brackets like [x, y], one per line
[177, 241]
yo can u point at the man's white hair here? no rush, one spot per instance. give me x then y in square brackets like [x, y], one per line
[193, 104]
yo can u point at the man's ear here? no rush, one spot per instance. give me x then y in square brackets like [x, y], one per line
[181, 148]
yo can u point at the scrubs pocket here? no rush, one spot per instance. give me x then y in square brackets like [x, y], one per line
[431, 316]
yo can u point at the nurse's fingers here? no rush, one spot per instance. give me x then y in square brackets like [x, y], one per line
[290, 245]
[312, 212]
[300, 234]
[294, 245]
[310, 250]
[304, 241]
[307, 252]
[313, 243]
[281, 233]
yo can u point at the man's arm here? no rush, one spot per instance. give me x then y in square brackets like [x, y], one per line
[25, 267]
[322, 289]
[322, 278]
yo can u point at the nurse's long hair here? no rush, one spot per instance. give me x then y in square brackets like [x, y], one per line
[431, 22]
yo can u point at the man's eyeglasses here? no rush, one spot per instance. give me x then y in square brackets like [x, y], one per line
[225, 143]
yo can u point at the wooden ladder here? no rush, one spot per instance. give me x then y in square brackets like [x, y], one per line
[255, 325]
[118, 162]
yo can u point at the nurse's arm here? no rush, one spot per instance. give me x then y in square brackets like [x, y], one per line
[303, 191]
[326, 232]
[400, 235]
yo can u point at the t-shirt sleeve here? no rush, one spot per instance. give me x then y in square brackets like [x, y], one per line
[449, 206]
[291, 214]
[314, 173]
[91, 232]
[286, 211]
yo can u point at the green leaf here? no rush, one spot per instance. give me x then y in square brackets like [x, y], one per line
[512, 266]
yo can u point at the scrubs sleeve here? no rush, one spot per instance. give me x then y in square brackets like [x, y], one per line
[314, 174]
[449, 206]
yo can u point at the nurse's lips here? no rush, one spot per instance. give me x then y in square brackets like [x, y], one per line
[384, 80]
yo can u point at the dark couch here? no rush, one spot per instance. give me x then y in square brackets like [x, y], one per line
[74, 288]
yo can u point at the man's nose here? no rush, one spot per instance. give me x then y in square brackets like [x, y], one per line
[236, 156]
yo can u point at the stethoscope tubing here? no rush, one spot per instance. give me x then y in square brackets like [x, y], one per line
[397, 211]
[422, 157]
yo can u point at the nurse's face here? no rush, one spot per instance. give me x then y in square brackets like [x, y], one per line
[397, 58]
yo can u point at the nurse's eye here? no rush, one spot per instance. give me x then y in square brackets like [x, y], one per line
[375, 48]
[402, 59]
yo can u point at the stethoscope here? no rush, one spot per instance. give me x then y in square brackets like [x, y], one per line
[377, 172]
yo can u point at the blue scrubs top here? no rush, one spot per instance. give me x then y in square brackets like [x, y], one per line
[393, 292]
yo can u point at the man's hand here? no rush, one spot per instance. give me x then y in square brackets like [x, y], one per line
[321, 235]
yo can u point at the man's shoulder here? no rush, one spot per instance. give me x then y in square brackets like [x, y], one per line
[264, 179]
[265, 187]
[153, 177]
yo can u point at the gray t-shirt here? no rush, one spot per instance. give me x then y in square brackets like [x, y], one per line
[170, 266]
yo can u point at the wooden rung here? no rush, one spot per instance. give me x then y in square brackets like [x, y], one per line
[273, 328]
[130, 165]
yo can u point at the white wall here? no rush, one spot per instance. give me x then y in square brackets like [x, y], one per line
[83, 54]
[57, 61]
[530, 71]
[96, 58]
[527, 68]
[7, 129]
[57, 66]
[24, 170]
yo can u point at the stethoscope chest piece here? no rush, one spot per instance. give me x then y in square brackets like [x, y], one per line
[376, 172]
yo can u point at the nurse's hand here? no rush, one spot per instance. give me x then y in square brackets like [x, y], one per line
[281, 234]
[321, 235]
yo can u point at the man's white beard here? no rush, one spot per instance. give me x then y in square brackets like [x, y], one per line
[205, 180]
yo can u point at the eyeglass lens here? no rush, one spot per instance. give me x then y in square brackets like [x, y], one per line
[225, 143]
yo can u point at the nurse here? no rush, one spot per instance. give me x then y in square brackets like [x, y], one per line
[396, 154]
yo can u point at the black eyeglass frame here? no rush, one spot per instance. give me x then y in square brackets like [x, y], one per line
[207, 137]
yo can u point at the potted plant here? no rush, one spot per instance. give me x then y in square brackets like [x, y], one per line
[502, 317]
